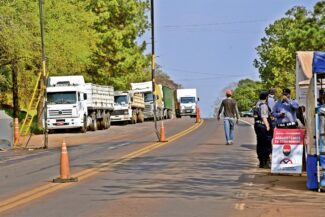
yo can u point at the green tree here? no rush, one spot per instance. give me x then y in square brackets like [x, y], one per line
[247, 93]
[299, 30]
[69, 40]
[119, 59]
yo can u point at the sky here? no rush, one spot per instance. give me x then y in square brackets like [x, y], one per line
[209, 44]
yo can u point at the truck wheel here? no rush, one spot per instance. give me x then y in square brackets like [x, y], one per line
[93, 125]
[169, 114]
[108, 121]
[140, 117]
[84, 128]
[134, 118]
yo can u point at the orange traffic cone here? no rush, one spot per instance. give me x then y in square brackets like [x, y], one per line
[64, 166]
[16, 132]
[162, 133]
[198, 116]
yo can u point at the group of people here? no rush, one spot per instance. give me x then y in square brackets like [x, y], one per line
[269, 113]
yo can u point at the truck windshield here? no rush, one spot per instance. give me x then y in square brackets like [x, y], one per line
[120, 100]
[148, 97]
[187, 99]
[62, 98]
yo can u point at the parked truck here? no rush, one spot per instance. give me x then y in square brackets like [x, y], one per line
[187, 101]
[146, 89]
[72, 103]
[169, 98]
[128, 107]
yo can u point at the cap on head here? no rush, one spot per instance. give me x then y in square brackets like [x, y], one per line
[272, 91]
[263, 95]
[286, 91]
[228, 93]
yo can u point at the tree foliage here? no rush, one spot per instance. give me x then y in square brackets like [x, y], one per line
[247, 93]
[118, 59]
[299, 30]
[95, 38]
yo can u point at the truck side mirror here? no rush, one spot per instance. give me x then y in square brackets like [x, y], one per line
[85, 96]
[198, 99]
[132, 99]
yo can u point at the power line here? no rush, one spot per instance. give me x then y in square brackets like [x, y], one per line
[196, 72]
[216, 77]
[214, 24]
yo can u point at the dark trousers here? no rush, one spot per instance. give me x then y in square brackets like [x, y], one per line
[264, 143]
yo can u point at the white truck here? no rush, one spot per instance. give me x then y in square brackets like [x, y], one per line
[186, 102]
[72, 103]
[128, 107]
[146, 89]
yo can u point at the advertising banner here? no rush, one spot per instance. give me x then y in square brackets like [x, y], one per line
[287, 151]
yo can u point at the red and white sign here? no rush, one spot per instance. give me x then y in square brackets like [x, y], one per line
[287, 150]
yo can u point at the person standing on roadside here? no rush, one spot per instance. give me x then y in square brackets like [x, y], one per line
[285, 111]
[230, 112]
[271, 99]
[263, 130]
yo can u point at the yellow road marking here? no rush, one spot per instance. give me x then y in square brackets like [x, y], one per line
[82, 175]
[240, 206]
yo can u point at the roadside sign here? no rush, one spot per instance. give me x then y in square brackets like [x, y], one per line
[287, 151]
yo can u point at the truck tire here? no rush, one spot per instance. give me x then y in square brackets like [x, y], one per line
[108, 121]
[93, 125]
[169, 114]
[84, 128]
[140, 117]
[134, 118]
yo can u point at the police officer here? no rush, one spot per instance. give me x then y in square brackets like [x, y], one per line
[272, 99]
[285, 111]
[263, 130]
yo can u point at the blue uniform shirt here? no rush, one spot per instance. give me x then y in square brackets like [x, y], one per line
[271, 101]
[289, 108]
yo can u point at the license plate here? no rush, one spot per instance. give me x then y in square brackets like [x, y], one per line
[188, 111]
[59, 123]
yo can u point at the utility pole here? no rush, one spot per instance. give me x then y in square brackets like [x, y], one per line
[153, 68]
[44, 75]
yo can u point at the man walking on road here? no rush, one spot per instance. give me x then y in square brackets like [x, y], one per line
[230, 111]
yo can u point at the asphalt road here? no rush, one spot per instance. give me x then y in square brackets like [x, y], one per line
[196, 175]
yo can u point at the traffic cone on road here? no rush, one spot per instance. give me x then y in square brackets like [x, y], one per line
[16, 133]
[162, 133]
[198, 116]
[64, 166]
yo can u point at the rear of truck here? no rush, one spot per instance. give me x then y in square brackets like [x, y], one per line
[100, 105]
[169, 102]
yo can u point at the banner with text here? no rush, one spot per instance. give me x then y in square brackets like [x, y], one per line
[287, 150]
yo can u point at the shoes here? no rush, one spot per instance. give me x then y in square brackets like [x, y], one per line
[230, 142]
[265, 165]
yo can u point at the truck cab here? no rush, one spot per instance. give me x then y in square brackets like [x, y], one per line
[66, 102]
[128, 107]
[146, 89]
[187, 102]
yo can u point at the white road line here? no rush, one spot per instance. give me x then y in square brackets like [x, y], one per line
[119, 145]
[249, 184]
[252, 125]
